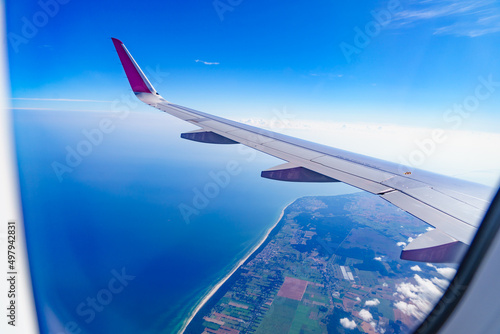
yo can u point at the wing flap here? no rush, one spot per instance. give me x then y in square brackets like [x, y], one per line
[184, 115]
[250, 136]
[293, 150]
[217, 126]
[456, 228]
[456, 207]
[368, 173]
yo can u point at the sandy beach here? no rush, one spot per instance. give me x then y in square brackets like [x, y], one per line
[218, 285]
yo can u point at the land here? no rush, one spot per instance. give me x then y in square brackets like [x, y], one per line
[331, 265]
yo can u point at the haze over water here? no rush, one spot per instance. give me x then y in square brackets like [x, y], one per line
[118, 211]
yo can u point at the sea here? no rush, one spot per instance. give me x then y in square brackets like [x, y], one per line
[128, 226]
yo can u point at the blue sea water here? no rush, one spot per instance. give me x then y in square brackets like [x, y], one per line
[109, 248]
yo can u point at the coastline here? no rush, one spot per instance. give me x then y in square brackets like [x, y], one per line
[240, 263]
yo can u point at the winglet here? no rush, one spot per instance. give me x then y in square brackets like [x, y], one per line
[136, 78]
[436, 247]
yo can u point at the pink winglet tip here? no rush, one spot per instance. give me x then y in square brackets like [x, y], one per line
[134, 77]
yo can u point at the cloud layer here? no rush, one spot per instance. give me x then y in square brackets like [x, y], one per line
[471, 18]
[57, 100]
[368, 138]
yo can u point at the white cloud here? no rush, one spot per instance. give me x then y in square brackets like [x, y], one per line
[470, 18]
[373, 302]
[408, 309]
[427, 288]
[442, 283]
[408, 290]
[449, 273]
[416, 268]
[327, 75]
[358, 299]
[346, 323]
[418, 299]
[206, 62]
[401, 244]
[429, 229]
[410, 239]
[365, 315]
[378, 258]
[385, 285]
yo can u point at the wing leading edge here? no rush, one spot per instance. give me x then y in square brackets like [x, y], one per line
[454, 207]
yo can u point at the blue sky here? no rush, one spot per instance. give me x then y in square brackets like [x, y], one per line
[427, 57]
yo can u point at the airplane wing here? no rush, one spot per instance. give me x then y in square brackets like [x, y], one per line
[454, 207]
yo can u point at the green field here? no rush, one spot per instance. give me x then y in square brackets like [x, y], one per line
[280, 316]
[302, 324]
